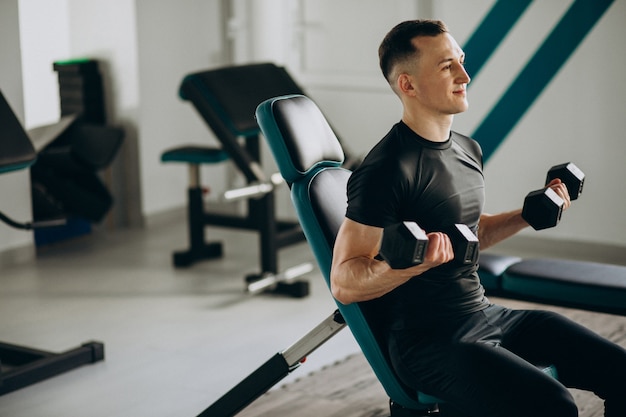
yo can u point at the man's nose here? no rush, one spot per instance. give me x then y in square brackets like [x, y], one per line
[463, 77]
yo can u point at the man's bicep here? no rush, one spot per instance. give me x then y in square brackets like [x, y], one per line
[356, 240]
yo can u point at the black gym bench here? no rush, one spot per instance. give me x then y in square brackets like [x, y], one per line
[583, 285]
[21, 366]
[226, 99]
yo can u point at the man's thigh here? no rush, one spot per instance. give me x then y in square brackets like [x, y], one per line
[483, 378]
[583, 359]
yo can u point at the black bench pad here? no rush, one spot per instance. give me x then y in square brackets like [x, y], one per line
[492, 267]
[590, 284]
[195, 155]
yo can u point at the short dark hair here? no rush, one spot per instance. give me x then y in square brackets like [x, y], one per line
[397, 46]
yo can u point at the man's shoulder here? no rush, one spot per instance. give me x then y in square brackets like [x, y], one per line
[386, 148]
[467, 143]
[459, 137]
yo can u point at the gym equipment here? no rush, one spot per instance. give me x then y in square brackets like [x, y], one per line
[491, 267]
[572, 177]
[573, 283]
[318, 183]
[404, 244]
[283, 283]
[576, 284]
[254, 190]
[318, 186]
[274, 370]
[19, 365]
[291, 125]
[464, 243]
[194, 156]
[66, 179]
[81, 89]
[226, 99]
[543, 208]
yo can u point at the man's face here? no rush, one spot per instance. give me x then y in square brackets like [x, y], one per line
[439, 77]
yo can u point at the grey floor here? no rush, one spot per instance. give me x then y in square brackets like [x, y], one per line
[175, 340]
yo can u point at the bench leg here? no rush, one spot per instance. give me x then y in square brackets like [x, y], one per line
[198, 248]
[22, 366]
[274, 370]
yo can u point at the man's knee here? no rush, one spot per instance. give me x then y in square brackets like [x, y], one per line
[560, 404]
[557, 404]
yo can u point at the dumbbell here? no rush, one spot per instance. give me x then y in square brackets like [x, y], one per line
[404, 245]
[570, 175]
[543, 208]
[464, 243]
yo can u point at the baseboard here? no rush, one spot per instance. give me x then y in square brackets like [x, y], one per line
[17, 255]
[180, 213]
[219, 207]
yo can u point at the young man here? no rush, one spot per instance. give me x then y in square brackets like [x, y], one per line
[443, 335]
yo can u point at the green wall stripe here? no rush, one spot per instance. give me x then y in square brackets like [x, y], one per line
[538, 72]
[491, 31]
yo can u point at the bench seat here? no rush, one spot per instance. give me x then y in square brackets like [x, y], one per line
[580, 284]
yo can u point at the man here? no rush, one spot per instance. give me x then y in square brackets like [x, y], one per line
[443, 335]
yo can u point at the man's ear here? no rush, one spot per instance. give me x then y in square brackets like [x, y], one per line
[404, 84]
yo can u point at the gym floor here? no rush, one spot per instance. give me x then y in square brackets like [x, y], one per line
[175, 339]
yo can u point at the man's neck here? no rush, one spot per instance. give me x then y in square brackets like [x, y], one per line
[433, 129]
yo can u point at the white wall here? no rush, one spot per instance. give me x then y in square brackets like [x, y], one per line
[45, 38]
[174, 38]
[144, 49]
[55, 30]
[105, 30]
[578, 117]
[330, 48]
[14, 186]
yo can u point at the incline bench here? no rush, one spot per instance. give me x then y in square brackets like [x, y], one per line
[226, 99]
[21, 366]
[309, 157]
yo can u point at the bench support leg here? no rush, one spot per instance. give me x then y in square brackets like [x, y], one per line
[22, 366]
[274, 370]
[198, 248]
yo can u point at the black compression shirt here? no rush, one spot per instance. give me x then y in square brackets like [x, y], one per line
[406, 177]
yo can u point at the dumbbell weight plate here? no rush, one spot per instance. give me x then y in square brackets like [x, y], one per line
[403, 245]
[542, 208]
[465, 244]
[570, 175]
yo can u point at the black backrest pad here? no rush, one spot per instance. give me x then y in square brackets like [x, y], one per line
[16, 149]
[308, 137]
[328, 198]
[238, 90]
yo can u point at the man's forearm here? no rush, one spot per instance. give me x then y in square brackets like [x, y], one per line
[494, 228]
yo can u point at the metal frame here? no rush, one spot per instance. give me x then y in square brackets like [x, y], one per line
[274, 370]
